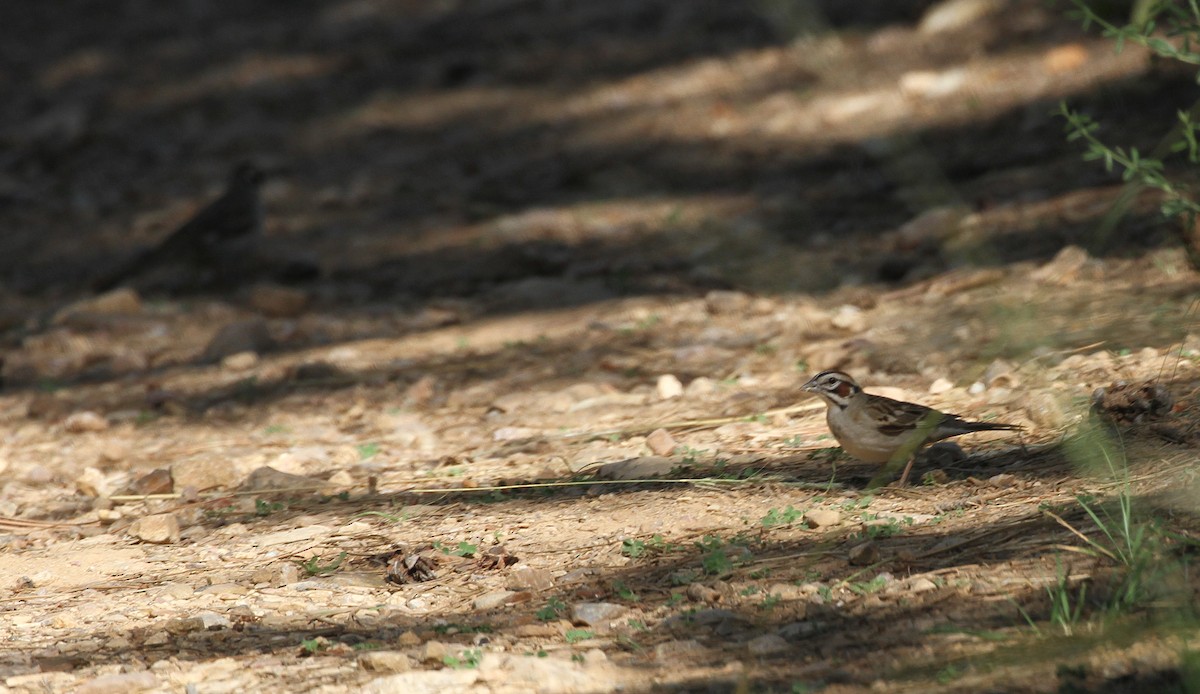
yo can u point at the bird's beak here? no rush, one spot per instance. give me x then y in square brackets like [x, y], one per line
[808, 387]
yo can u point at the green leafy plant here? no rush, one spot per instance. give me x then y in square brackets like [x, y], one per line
[1170, 30]
[786, 517]
[715, 559]
[314, 645]
[462, 549]
[872, 586]
[466, 660]
[265, 508]
[577, 635]
[874, 529]
[948, 674]
[769, 602]
[313, 566]
[633, 548]
[1066, 606]
[625, 592]
[367, 450]
[554, 608]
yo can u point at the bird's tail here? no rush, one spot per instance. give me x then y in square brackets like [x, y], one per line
[968, 426]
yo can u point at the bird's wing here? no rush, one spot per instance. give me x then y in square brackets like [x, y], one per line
[896, 417]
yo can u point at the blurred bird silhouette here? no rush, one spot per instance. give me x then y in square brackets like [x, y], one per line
[203, 240]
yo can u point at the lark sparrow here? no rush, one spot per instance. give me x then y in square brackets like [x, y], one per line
[236, 214]
[876, 429]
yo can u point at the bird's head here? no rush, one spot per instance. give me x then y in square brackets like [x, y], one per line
[835, 387]
[246, 175]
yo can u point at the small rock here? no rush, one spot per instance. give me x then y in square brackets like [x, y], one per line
[921, 584]
[492, 600]
[940, 386]
[514, 434]
[96, 484]
[1000, 396]
[596, 614]
[932, 84]
[284, 537]
[434, 652]
[636, 468]
[243, 336]
[699, 387]
[87, 420]
[211, 621]
[278, 301]
[37, 475]
[384, 661]
[409, 639]
[176, 591]
[822, 517]
[268, 479]
[698, 592]
[798, 630]
[767, 644]
[122, 301]
[520, 673]
[184, 625]
[999, 374]
[536, 580]
[669, 386]
[118, 683]
[976, 388]
[849, 317]
[161, 528]
[1063, 59]
[952, 15]
[1044, 409]
[241, 361]
[1064, 268]
[407, 430]
[722, 301]
[661, 442]
[112, 452]
[1004, 479]
[205, 473]
[785, 591]
[864, 554]
[424, 682]
[421, 392]
[669, 651]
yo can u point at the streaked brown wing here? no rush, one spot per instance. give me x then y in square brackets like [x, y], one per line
[897, 417]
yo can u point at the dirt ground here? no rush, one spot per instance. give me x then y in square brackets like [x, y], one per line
[575, 261]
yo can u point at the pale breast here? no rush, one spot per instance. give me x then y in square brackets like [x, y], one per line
[865, 443]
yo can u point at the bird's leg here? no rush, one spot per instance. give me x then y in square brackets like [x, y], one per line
[907, 469]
